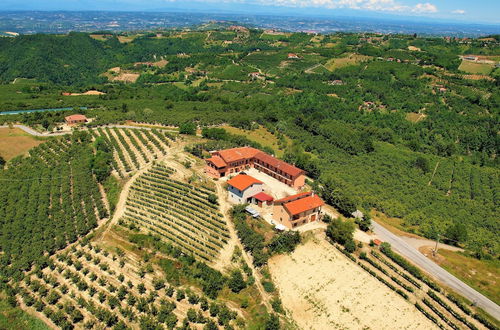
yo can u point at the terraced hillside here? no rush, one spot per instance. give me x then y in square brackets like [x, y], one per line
[183, 215]
[133, 148]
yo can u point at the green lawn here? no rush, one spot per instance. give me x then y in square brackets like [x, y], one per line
[14, 318]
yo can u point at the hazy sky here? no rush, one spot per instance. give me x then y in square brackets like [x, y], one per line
[478, 11]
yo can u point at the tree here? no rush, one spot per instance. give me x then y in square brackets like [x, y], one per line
[422, 163]
[2, 162]
[456, 233]
[236, 282]
[273, 322]
[188, 128]
[340, 231]
[212, 198]
[364, 223]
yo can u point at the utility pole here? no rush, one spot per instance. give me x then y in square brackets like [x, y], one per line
[434, 252]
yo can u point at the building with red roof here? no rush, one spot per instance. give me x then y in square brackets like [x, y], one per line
[225, 162]
[243, 187]
[262, 198]
[75, 119]
[299, 209]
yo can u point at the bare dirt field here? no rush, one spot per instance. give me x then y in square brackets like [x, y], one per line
[415, 117]
[126, 77]
[91, 92]
[322, 289]
[14, 142]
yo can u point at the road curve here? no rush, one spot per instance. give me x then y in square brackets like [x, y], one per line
[435, 270]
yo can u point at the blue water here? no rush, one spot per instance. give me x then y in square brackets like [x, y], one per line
[17, 112]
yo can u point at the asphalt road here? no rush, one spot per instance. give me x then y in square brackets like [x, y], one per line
[435, 270]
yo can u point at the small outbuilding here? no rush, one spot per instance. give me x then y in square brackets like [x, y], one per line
[262, 198]
[75, 119]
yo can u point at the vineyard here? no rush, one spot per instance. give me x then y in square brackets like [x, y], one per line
[180, 213]
[441, 307]
[47, 200]
[133, 148]
[88, 287]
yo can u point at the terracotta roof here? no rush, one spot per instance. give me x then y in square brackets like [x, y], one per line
[279, 164]
[217, 161]
[243, 181]
[235, 154]
[263, 197]
[75, 117]
[304, 204]
[293, 197]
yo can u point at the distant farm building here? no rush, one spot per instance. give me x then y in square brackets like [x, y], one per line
[298, 209]
[243, 187]
[225, 162]
[75, 119]
[292, 56]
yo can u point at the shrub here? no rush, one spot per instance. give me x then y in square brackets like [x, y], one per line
[268, 286]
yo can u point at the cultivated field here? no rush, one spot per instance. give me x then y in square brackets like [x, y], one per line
[351, 59]
[15, 142]
[323, 289]
[133, 148]
[478, 68]
[179, 213]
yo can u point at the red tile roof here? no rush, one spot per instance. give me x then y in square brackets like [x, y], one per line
[236, 154]
[279, 164]
[75, 117]
[304, 204]
[293, 197]
[217, 161]
[263, 197]
[243, 181]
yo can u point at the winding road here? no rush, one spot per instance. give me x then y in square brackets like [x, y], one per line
[435, 270]
[385, 235]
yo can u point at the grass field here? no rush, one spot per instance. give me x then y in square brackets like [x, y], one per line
[15, 318]
[479, 68]
[260, 135]
[482, 275]
[14, 142]
[352, 59]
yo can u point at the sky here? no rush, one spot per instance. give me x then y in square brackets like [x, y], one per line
[472, 11]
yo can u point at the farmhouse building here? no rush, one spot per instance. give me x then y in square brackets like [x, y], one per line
[75, 119]
[298, 209]
[243, 187]
[225, 162]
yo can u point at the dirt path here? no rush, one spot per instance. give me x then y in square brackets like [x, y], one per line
[120, 206]
[225, 208]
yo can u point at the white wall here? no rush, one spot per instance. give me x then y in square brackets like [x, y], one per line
[240, 197]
